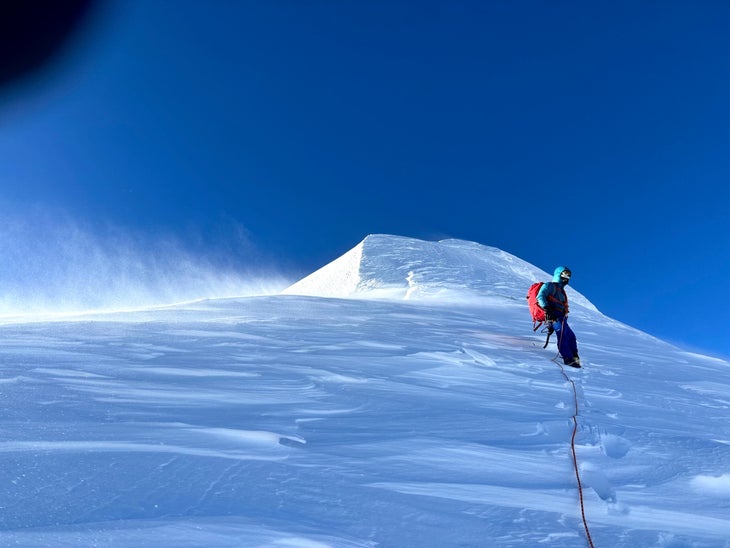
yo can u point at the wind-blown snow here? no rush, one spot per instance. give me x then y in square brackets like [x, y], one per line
[419, 411]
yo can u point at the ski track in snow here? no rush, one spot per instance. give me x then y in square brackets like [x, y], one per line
[312, 421]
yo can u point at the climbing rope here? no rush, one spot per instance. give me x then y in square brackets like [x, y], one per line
[572, 445]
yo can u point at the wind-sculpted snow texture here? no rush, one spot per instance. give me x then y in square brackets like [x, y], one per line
[419, 411]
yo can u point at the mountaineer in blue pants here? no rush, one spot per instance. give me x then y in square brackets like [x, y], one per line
[554, 301]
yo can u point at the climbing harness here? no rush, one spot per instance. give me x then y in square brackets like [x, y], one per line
[572, 443]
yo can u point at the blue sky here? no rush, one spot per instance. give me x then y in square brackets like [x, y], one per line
[590, 134]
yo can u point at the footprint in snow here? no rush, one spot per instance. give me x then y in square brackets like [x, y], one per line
[592, 477]
[614, 446]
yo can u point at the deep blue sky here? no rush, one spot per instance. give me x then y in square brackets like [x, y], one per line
[595, 134]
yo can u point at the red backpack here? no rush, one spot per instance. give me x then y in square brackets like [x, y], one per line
[538, 314]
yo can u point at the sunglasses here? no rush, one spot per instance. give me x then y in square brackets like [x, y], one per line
[565, 275]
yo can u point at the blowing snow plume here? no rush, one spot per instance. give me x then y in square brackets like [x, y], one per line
[56, 265]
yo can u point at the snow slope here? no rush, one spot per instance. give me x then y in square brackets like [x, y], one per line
[420, 410]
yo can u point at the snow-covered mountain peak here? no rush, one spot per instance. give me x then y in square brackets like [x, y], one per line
[387, 266]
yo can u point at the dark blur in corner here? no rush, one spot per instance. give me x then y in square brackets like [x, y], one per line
[34, 32]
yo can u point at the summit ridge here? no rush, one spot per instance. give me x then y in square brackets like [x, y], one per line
[398, 267]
